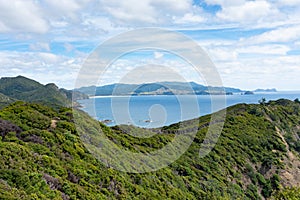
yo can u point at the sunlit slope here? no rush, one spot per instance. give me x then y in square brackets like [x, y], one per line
[44, 157]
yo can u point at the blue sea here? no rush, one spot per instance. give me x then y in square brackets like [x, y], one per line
[161, 110]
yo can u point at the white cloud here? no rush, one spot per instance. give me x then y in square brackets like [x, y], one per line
[224, 3]
[270, 49]
[256, 14]
[40, 46]
[174, 6]
[280, 72]
[222, 54]
[85, 18]
[249, 66]
[151, 12]
[288, 2]
[130, 11]
[43, 67]
[282, 34]
[249, 11]
[91, 22]
[21, 16]
[69, 47]
[189, 18]
[151, 73]
[158, 55]
[140, 69]
[65, 8]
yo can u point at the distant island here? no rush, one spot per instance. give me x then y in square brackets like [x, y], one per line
[265, 90]
[248, 93]
[162, 88]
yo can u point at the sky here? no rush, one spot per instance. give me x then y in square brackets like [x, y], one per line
[253, 44]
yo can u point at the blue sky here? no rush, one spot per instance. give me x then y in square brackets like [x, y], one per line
[253, 44]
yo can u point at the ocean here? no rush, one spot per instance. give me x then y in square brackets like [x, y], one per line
[162, 110]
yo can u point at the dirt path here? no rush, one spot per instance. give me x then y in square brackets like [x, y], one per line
[53, 123]
[291, 174]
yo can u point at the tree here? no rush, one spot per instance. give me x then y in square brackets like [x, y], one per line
[262, 101]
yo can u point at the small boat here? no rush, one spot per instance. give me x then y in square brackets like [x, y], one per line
[106, 121]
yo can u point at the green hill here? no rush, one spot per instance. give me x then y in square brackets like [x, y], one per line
[15, 86]
[159, 88]
[256, 157]
[5, 100]
[25, 89]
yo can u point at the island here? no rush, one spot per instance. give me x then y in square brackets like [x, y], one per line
[248, 93]
[157, 88]
[266, 90]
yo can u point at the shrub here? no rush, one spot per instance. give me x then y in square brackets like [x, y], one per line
[6, 127]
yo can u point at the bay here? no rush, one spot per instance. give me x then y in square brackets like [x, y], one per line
[161, 110]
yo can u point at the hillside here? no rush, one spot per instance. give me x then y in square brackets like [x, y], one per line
[160, 88]
[256, 157]
[25, 89]
[5, 100]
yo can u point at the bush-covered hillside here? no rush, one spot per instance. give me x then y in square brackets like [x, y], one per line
[25, 89]
[5, 100]
[256, 157]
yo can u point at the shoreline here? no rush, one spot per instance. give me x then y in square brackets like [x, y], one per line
[234, 94]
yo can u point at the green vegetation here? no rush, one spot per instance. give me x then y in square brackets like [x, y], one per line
[43, 157]
[22, 88]
[5, 100]
[158, 88]
[289, 194]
